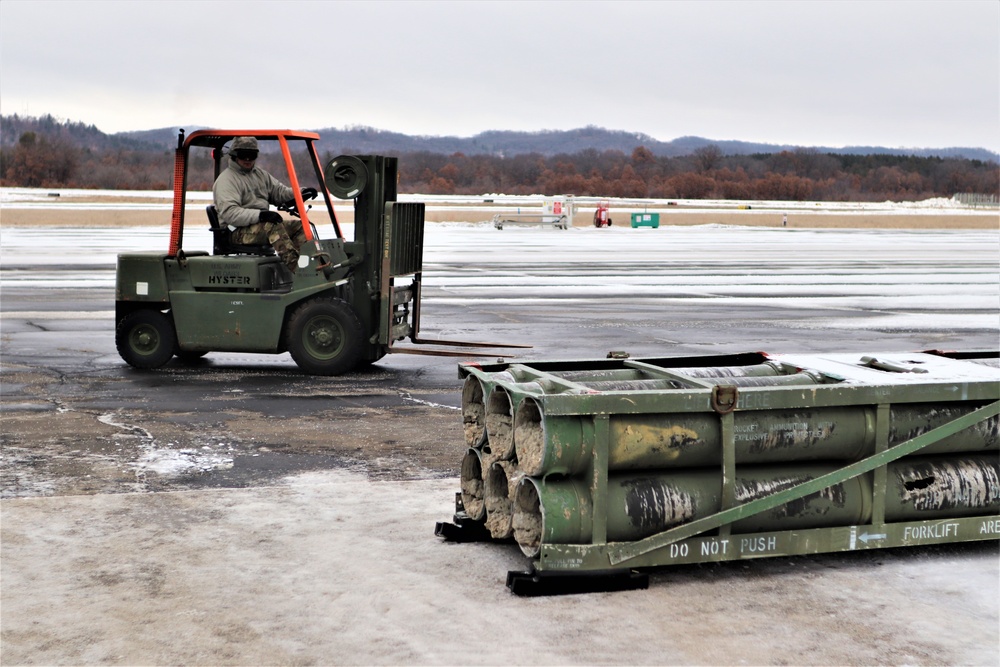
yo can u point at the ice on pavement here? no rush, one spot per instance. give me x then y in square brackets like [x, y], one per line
[824, 269]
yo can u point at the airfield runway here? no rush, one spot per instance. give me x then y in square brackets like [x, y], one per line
[238, 512]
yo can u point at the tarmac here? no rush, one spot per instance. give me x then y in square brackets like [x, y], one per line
[237, 512]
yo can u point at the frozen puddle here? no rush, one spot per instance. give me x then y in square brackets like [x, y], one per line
[168, 462]
[175, 462]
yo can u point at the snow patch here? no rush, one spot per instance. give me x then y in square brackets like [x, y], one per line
[175, 462]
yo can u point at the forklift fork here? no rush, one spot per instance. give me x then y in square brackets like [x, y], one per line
[402, 255]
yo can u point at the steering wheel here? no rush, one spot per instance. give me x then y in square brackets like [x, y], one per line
[291, 208]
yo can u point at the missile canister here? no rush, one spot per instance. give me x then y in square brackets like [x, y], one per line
[564, 444]
[560, 511]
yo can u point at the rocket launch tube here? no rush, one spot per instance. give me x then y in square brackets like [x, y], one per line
[499, 424]
[471, 480]
[473, 412]
[560, 510]
[499, 486]
[564, 444]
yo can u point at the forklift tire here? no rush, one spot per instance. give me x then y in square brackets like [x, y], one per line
[325, 337]
[146, 339]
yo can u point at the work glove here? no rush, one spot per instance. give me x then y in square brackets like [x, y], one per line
[309, 193]
[270, 216]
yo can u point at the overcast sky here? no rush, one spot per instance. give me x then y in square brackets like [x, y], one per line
[897, 74]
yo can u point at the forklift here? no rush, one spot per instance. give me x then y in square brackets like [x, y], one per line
[346, 305]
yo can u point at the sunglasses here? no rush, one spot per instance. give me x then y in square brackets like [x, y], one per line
[245, 154]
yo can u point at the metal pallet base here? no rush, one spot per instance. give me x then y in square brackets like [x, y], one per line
[536, 584]
[463, 530]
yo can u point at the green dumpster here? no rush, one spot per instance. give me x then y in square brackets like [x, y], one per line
[645, 220]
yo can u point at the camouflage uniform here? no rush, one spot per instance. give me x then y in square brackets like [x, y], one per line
[241, 195]
[285, 237]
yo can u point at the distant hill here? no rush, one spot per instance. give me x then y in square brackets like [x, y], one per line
[367, 140]
[74, 133]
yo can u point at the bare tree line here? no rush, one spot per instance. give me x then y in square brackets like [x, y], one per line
[42, 160]
[706, 174]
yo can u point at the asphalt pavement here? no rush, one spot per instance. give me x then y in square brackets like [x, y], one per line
[236, 511]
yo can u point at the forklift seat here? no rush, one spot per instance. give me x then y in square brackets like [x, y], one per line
[222, 244]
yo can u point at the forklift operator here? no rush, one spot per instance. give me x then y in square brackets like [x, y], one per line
[242, 195]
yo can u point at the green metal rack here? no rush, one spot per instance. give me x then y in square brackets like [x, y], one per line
[769, 455]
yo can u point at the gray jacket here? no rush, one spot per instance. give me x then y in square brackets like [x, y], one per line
[241, 195]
